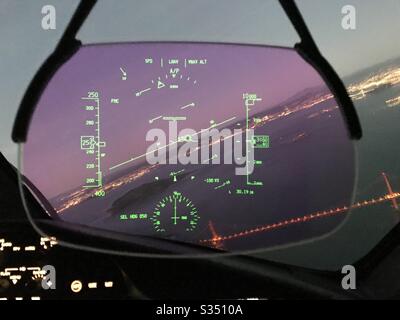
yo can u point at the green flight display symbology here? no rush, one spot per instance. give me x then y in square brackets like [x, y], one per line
[175, 212]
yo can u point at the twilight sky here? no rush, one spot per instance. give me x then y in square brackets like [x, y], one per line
[24, 45]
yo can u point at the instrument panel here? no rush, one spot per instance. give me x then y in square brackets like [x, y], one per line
[36, 268]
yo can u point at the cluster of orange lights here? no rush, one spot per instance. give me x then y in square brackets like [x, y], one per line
[288, 110]
[80, 196]
[389, 77]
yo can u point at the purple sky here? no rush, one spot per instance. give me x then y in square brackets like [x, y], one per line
[52, 156]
